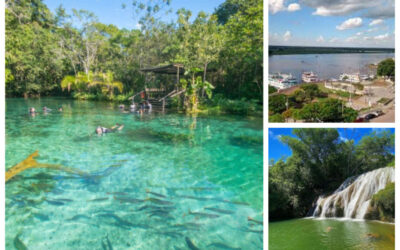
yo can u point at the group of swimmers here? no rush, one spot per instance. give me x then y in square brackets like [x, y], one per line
[143, 107]
[32, 110]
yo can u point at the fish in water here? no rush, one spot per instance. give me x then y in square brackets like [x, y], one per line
[194, 197]
[78, 217]
[219, 210]
[128, 199]
[98, 199]
[255, 221]
[206, 215]
[109, 243]
[117, 193]
[170, 234]
[107, 246]
[64, 200]
[118, 221]
[54, 202]
[41, 217]
[159, 202]
[237, 202]
[190, 244]
[164, 208]
[156, 194]
[18, 244]
[223, 246]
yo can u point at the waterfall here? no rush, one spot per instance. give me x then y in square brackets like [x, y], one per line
[352, 200]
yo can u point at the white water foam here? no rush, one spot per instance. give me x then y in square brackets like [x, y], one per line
[356, 197]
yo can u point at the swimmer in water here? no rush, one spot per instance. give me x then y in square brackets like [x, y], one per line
[102, 130]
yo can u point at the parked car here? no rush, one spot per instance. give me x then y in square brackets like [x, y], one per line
[370, 116]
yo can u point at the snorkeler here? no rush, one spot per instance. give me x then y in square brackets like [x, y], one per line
[102, 130]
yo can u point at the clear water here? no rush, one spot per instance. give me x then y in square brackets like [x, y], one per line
[327, 66]
[195, 162]
[309, 234]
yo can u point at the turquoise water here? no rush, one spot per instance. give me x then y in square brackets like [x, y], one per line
[165, 181]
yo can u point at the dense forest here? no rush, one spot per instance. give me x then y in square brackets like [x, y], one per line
[321, 160]
[73, 54]
[289, 50]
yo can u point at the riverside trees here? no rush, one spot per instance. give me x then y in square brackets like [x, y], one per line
[224, 50]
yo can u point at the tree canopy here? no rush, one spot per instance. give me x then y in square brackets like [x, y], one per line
[223, 48]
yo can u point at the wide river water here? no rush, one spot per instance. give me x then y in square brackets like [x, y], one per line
[327, 66]
[165, 181]
[333, 234]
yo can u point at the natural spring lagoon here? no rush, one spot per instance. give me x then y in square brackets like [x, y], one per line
[166, 181]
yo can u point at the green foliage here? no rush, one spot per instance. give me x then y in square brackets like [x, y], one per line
[44, 49]
[320, 162]
[271, 89]
[277, 103]
[373, 150]
[382, 204]
[327, 110]
[277, 118]
[220, 104]
[92, 82]
[386, 68]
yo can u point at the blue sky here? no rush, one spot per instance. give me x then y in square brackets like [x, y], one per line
[277, 150]
[356, 23]
[111, 12]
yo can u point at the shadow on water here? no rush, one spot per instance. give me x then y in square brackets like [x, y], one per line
[151, 135]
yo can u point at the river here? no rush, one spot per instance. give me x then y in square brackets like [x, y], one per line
[327, 66]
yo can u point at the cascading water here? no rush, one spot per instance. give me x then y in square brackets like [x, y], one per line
[353, 200]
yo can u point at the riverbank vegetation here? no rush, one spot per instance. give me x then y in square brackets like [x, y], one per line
[75, 55]
[321, 161]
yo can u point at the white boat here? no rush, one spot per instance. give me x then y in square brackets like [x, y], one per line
[282, 81]
[309, 77]
[354, 78]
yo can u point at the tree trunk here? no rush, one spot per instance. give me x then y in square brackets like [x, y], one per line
[204, 78]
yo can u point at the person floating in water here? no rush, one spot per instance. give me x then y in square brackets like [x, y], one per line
[102, 130]
[32, 110]
[60, 109]
[46, 109]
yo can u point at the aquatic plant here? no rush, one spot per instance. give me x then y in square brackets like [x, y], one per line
[30, 162]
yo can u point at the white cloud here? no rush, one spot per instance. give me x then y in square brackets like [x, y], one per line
[350, 24]
[293, 7]
[359, 33]
[320, 39]
[382, 37]
[287, 36]
[276, 5]
[376, 22]
[370, 9]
